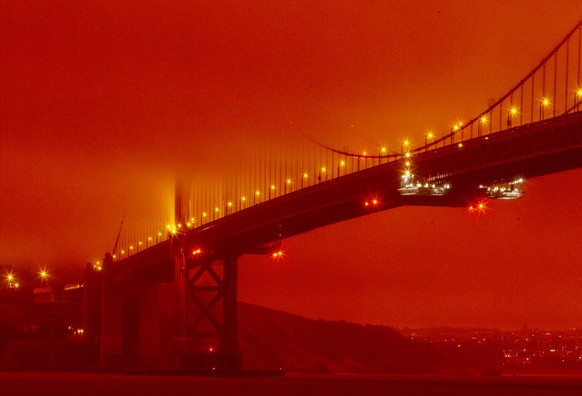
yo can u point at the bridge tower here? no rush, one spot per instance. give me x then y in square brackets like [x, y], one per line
[206, 302]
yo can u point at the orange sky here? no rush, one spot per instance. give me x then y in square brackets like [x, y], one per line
[101, 101]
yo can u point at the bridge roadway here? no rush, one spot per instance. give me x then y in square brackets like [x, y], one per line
[527, 151]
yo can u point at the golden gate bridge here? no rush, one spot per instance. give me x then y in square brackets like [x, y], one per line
[186, 272]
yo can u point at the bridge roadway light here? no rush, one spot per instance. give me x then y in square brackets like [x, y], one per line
[44, 274]
[429, 136]
[322, 171]
[340, 165]
[545, 102]
[511, 112]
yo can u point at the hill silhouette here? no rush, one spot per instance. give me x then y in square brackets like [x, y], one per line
[271, 339]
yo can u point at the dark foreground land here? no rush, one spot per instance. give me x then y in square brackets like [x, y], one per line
[87, 384]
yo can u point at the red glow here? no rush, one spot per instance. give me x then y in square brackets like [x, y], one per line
[100, 102]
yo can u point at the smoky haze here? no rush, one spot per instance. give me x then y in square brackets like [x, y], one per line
[103, 104]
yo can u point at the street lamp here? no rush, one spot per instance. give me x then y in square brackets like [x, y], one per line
[404, 145]
[429, 136]
[545, 102]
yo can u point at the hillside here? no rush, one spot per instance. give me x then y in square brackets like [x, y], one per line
[271, 339]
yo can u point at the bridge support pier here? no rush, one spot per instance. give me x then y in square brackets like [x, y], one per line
[206, 312]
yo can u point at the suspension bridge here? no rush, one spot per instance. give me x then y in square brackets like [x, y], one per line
[183, 277]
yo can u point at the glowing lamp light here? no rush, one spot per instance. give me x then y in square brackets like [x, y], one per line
[342, 163]
[407, 155]
[483, 119]
[545, 101]
[305, 175]
[478, 207]
[229, 204]
[323, 169]
[257, 193]
[44, 275]
[9, 277]
[406, 142]
[211, 349]
[407, 163]
[375, 202]
[383, 150]
[513, 111]
[460, 145]
[216, 210]
[204, 214]
[288, 181]
[364, 153]
[243, 199]
[196, 252]
[579, 92]
[272, 186]
[278, 254]
[430, 135]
